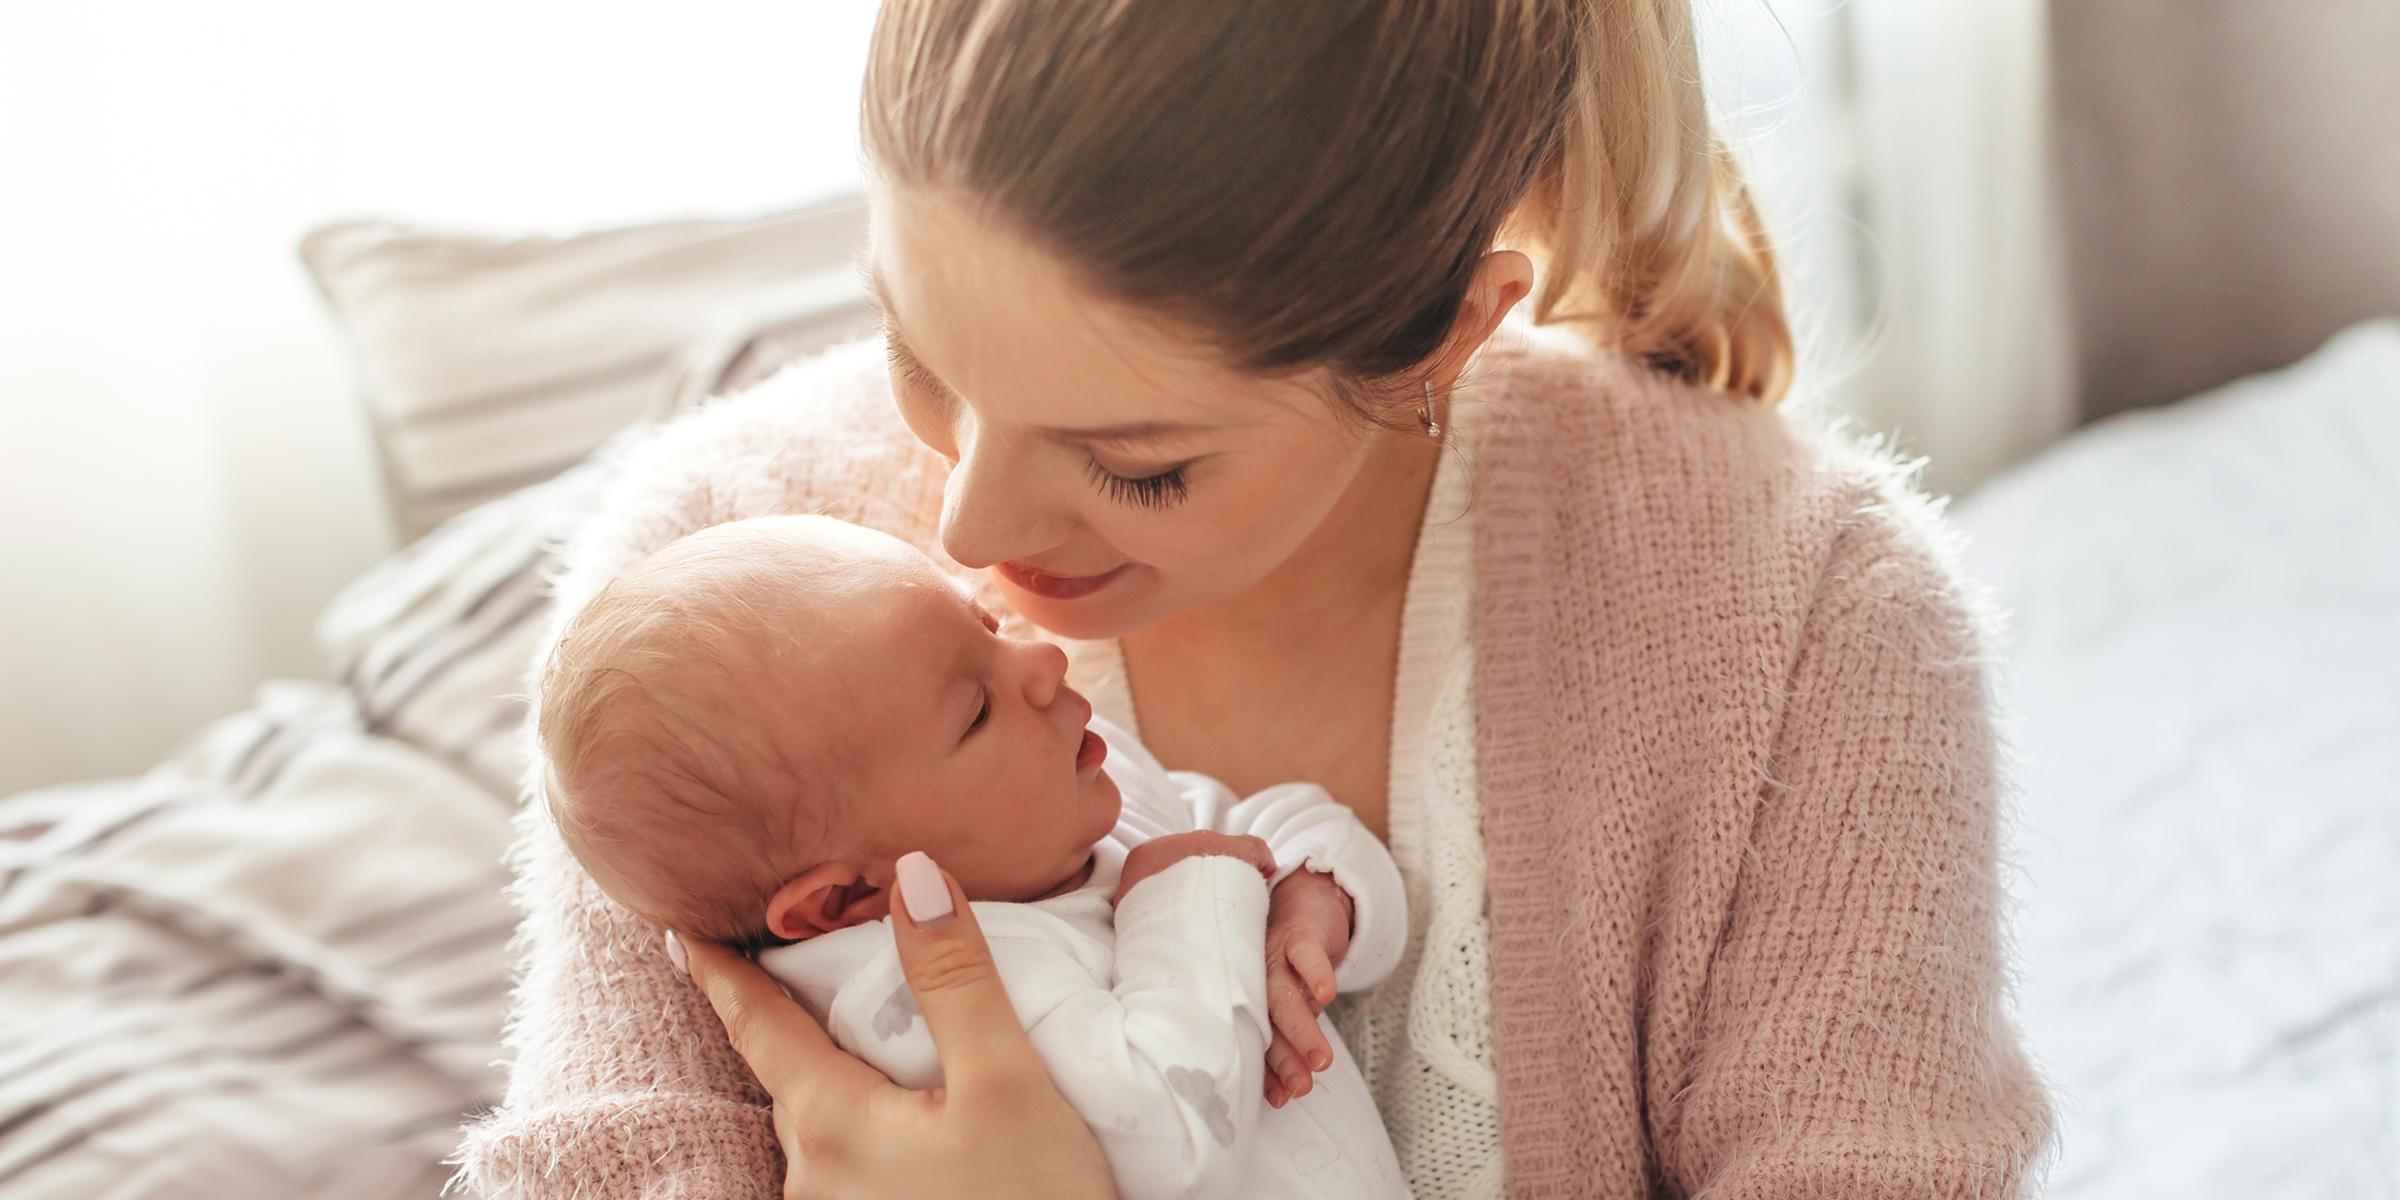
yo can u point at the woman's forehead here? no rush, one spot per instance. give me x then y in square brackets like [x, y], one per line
[1004, 325]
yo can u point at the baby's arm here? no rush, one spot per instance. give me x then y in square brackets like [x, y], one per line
[1309, 830]
[1160, 1053]
[1167, 1064]
[1320, 939]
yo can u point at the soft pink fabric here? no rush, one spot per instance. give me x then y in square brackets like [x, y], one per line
[1737, 766]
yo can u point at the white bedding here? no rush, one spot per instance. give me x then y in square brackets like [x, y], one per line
[2204, 669]
[276, 966]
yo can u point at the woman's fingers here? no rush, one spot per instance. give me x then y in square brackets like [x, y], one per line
[957, 986]
[786, 1049]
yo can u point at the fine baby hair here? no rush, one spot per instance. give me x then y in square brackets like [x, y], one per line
[642, 695]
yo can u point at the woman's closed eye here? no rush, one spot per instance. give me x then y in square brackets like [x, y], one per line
[1161, 489]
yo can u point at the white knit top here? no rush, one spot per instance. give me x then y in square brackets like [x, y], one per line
[1424, 1036]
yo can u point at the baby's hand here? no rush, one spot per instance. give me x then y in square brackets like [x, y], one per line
[1158, 854]
[1308, 930]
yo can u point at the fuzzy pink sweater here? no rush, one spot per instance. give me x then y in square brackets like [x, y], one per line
[1740, 800]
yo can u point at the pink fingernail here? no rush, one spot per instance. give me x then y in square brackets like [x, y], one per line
[924, 892]
[675, 955]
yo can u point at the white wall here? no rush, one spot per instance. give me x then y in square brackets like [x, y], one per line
[1900, 151]
[183, 477]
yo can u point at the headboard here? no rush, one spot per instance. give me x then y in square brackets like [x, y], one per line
[2230, 178]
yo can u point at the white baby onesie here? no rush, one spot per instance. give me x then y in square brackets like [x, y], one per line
[1152, 1016]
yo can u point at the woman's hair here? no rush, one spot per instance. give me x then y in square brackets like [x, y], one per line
[1311, 183]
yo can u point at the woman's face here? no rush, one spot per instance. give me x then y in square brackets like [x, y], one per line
[1108, 469]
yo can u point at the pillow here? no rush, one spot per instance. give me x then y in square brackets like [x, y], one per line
[493, 367]
[489, 363]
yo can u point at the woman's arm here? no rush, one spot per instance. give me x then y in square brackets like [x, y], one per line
[1852, 1039]
[623, 1083]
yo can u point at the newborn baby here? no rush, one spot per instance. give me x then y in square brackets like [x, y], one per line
[749, 730]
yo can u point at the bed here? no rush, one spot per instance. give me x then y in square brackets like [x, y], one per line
[277, 965]
[2203, 680]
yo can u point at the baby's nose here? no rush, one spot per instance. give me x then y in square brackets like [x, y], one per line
[1045, 669]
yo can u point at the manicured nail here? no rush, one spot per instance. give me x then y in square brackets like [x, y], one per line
[675, 955]
[922, 889]
[1320, 1060]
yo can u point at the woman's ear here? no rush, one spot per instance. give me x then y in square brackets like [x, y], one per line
[1502, 278]
[823, 899]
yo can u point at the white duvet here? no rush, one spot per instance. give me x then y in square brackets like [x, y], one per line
[2204, 669]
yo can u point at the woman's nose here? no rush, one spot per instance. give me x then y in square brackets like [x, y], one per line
[990, 513]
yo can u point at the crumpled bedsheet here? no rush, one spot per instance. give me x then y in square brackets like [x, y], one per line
[2204, 675]
[273, 967]
[276, 967]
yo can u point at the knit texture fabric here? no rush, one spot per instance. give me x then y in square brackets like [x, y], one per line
[1424, 1037]
[1740, 802]
[1736, 761]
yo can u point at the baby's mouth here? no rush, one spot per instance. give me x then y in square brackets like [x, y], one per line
[1091, 753]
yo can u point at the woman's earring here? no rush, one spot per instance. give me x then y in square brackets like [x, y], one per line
[1433, 429]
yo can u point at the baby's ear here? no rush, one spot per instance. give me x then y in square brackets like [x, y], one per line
[823, 899]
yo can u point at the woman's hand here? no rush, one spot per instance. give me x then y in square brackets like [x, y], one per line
[996, 1128]
[1308, 931]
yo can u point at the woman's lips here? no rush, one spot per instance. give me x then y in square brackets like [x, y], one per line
[1058, 587]
[1091, 753]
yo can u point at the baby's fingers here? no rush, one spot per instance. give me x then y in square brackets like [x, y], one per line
[1315, 970]
[1294, 1017]
[1287, 1076]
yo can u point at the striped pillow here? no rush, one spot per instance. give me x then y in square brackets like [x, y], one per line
[490, 363]
[480, 359]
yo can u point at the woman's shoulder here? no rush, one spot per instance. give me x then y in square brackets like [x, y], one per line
[1647, 474]
[1592, 432]
[820, 436]
[837, 400]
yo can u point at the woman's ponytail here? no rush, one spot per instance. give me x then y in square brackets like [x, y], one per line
[1638, 216]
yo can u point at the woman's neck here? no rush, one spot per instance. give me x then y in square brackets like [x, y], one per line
[1292, 678]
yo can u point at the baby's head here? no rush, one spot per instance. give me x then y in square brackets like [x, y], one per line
[748, 728]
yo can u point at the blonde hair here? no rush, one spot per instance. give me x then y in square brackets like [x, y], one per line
[1314, 184]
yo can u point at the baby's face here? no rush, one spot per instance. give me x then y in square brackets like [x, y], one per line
[956, 741]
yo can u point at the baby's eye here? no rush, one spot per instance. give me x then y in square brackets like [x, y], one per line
[983, 710]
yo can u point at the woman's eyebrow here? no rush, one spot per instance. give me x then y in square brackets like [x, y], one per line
[897, 347]
[1135, 431]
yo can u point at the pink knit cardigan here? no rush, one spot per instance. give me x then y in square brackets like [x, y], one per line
[1738, 773]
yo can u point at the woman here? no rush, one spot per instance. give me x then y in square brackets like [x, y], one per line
[1672, 716]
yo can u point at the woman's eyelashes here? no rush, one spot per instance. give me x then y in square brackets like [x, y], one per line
[1161, 490]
